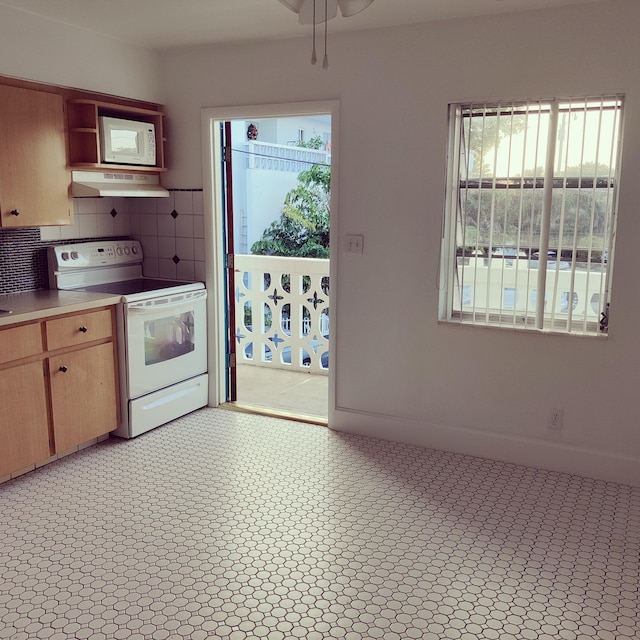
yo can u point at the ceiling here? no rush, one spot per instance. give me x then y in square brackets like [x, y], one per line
[163, 24]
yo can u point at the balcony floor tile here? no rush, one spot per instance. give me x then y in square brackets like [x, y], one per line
[291, 392]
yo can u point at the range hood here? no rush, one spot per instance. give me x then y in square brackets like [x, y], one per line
[94, 184]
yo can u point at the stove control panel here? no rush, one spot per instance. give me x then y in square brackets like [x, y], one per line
[85, 255]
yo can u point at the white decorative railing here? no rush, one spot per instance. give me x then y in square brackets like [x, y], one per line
[282, 312]
[282, 157]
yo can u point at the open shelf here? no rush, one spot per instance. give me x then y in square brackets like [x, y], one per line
[84, 134]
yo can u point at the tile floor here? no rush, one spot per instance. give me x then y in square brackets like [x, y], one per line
[290, 392]
[227, 525]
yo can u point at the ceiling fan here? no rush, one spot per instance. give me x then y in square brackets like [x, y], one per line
[308, 13]
[318, 11]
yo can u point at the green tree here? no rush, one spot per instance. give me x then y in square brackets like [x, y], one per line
[483, 133]
[303, 227]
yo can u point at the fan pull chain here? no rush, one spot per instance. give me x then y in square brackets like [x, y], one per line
[314, 58]
[325, 61]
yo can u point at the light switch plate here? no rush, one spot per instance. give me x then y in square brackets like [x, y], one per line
[354, 244]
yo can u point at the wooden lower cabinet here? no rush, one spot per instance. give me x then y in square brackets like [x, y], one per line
[24, 434]
[83, 395]
[75, 402]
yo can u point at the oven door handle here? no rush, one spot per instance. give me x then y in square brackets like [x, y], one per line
[145, 307]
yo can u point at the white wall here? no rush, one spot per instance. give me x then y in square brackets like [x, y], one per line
[32, 48]
[399, 374]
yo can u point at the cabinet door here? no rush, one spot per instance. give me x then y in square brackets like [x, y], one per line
[24, 431]
[34, 178]
[83, 395]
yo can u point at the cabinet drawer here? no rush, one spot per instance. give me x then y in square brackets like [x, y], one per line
[78, 329]
[20, 342]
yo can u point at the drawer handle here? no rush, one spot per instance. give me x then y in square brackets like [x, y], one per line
[63, 369]
[83, 329]
[15, 212]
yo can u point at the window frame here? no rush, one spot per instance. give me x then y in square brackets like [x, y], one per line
[542, 319]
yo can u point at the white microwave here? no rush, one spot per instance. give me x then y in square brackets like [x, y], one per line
[127, 141]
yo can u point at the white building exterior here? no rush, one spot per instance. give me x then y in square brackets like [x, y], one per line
[267, 168]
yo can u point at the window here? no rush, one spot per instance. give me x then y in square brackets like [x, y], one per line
[530, 214]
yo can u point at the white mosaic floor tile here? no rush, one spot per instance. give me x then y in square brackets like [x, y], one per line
[229, 525]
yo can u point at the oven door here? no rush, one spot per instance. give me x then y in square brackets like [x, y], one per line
[166, 341]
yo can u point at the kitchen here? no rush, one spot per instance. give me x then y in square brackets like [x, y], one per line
[404, 403]
[145, 343]
[400, 376]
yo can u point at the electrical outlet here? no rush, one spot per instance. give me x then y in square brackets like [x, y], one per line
[555, 419]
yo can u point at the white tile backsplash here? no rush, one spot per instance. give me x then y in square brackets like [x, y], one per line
[149, 246]
[70, 232]
[122, 224]
[166, 225]
[50, 233]
[184, 226]
[163, 236]
[85, 205]
[165, 205]
[198, 203]
[185, 270]
[198, 226]
[185, 248]
[199, 271]
[106, 225]
[198, 249]
[149, 224]
[88, 225]
[184, 202]
[167, 269]
[166, 247]
[92, 218]
[144, 205]
[150, 267]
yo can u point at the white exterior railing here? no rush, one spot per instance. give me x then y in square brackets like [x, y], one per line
[507, 286]
[282, 157]
[282, 312]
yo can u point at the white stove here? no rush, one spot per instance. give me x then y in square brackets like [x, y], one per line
[162, 341]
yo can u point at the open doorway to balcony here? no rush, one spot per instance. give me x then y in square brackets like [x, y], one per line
[272, 195]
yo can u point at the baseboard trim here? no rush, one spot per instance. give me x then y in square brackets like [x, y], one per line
[541, 454]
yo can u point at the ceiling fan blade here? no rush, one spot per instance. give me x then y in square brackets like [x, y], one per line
[351, 7]
[305, 15]
[294, 5]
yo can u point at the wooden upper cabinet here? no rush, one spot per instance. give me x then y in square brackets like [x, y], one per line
[34, 176]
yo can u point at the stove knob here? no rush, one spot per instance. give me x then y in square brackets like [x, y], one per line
[65, 255]
[74, 255]
[127, 250]
[134, 249]
[119, 251]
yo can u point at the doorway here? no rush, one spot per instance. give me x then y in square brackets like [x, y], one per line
[269, 310]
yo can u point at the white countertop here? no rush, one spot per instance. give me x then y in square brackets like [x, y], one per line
[34, 305]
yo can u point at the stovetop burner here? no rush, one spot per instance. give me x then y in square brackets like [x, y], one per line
[130, 287]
